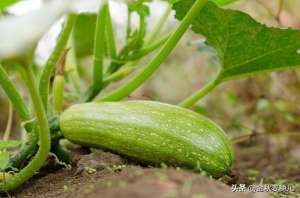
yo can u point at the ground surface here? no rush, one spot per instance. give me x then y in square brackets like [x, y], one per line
[102, 174]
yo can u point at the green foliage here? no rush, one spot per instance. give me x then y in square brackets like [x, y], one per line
[224, 2]
[6, 3]
[15, 97]
[140, 7]
[4, 159]
[9, 144]
[4, 154]
[135, 39]
[244, 46]
[53, 60]
[153, 65]
[99, 49]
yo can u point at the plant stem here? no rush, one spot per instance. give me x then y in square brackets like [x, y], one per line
[44, 134]
[27, 149]
[9, 122]
[110, 37]
[99, 47]
[24, 116]
[59, 83]
[134, 60]
[99, 50]
[123, 72]
[15, 98]
[58, 93]
[115, 64]
[54, 58]
[142, 29]
[190, 101]
[72, 66]
[147, 50]
[128, 28]
[160, 24]
[144, 51]
[128, 88]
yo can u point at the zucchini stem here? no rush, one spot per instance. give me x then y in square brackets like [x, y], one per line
[147, 50]
[15, 98]
[9, 122]
[193, 99]
[59, 83]
[24, 115]
[58, 93]
[54, 58]
[168, 47]
[99, 51]
[44, 134]
[110, 37]
[72, 65]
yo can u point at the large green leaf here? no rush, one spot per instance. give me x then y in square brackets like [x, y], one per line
[5, 3]
[244, 46]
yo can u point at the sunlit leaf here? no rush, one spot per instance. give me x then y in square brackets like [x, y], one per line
[244, 46]
[9, 144]
[20, 33]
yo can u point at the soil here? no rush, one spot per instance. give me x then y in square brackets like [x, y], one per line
[103, 174]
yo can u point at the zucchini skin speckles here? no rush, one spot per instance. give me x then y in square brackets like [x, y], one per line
[151, 132]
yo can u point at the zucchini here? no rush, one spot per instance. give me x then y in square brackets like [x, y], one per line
[151, 132]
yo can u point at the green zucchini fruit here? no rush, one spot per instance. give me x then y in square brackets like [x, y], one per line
[151, 132]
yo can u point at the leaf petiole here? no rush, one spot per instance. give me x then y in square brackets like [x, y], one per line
[9, 122]
[44, 134]
[193, 99]
[14, 96]
[98, 59]
[147, 50]
[110, 37]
